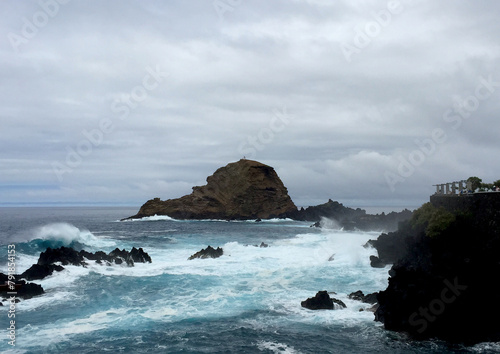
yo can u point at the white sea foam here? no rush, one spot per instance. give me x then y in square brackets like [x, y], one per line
[168, 218]
[49, 299]
[336, 250]
[252, 270]
[23, 262]
[62, 331]
[276, 347]
[274, 220]
[247, 277]
[488, 347]
[64, 278]
[153, 218]
[160, 313]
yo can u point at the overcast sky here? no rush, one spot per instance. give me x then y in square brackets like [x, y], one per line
[364, 102]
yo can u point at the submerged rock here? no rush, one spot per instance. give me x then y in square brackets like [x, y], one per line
[208, 252]
[241, 190]
[322, 301]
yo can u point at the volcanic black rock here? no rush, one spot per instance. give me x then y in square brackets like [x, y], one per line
[359, 296]
[29, 290]
[23, 289]
[333, 212]
[208, 252]
[322, 301]
[67, 255]
[121, 256]
[390, 246]
[138, 255]
[37, 271]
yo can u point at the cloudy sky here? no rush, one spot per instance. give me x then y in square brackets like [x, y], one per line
[364, 102]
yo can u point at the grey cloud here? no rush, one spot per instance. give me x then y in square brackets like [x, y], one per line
[351, 122]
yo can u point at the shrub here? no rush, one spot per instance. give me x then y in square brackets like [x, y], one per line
[432, 220]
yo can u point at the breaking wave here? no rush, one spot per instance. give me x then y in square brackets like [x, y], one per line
[55, 235]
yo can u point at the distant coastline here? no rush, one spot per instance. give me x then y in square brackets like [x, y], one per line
[370, 209]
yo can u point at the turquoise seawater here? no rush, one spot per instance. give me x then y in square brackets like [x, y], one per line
[247, 301]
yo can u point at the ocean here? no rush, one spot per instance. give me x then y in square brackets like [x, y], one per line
[247, 301]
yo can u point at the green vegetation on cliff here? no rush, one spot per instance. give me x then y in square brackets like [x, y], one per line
[432, 220]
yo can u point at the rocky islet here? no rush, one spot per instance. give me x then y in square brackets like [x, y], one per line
[250, 190]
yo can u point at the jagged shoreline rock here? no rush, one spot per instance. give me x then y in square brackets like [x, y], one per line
[349, 218]
[208, 252]
[69, 256]
[242, 190]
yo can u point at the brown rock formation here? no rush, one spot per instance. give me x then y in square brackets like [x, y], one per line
[241, 190]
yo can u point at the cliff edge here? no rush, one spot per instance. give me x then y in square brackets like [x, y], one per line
[444, 281]
[245, 189]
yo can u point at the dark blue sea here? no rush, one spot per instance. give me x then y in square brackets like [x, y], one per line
[247, 301]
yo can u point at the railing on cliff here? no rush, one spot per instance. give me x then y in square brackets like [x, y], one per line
[454, 188]
[459, 188]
